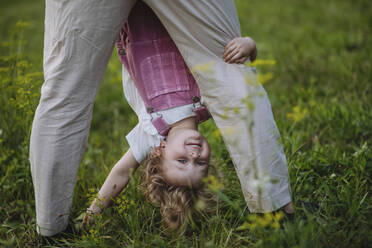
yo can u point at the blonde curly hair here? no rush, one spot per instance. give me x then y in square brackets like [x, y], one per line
[176, 202]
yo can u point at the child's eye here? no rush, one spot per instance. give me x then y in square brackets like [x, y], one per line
[182, 161]
[201, 163]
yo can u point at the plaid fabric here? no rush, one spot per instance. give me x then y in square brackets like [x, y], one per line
[154, 62]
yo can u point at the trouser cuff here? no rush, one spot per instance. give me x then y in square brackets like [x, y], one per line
[269, 204]
[51, 229]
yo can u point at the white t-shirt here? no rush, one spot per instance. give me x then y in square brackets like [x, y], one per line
[144, 136]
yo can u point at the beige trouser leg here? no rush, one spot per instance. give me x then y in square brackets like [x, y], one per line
[79, 38]
[201, 29]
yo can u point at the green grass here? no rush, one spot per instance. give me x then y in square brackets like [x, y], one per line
[323, 71]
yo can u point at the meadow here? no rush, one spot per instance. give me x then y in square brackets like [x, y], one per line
[314, 59]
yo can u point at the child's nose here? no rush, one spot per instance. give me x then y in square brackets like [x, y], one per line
[194, 154]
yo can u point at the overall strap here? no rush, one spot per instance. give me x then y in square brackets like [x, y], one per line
[201, 112]
[161, 126]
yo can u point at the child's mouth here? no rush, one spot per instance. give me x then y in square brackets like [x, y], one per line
[194, 145]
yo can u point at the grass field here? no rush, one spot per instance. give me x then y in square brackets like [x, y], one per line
[320, 88]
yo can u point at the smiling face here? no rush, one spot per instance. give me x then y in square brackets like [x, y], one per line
[185, 157]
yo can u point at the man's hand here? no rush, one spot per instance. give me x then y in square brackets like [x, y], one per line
[239, 50]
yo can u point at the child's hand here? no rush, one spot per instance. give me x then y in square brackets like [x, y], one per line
[88, 218]
[239, 50]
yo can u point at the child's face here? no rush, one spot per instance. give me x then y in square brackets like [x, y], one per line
[185, 156]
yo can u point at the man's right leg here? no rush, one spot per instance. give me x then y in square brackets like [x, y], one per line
[238, 104]
[79, 38]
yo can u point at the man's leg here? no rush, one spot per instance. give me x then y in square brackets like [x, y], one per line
[201, 29]
[78, 42]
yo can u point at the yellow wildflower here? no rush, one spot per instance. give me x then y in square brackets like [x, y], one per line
[259, 62]
[216, 133]
[213, 183]
[228, 130]
[278, 216]
[204, 67]
[22, 24]
[263, 78]
[298, 114]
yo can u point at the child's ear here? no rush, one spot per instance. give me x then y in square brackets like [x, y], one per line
[158, 150]
[162, 144]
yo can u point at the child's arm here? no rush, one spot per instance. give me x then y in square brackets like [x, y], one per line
[113, 185]
[239, 50]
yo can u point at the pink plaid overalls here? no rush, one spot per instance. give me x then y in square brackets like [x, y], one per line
[157, 67]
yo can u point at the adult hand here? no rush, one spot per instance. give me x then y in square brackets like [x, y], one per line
[239, 50]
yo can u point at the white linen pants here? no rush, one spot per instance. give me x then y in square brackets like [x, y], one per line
[79, 38]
